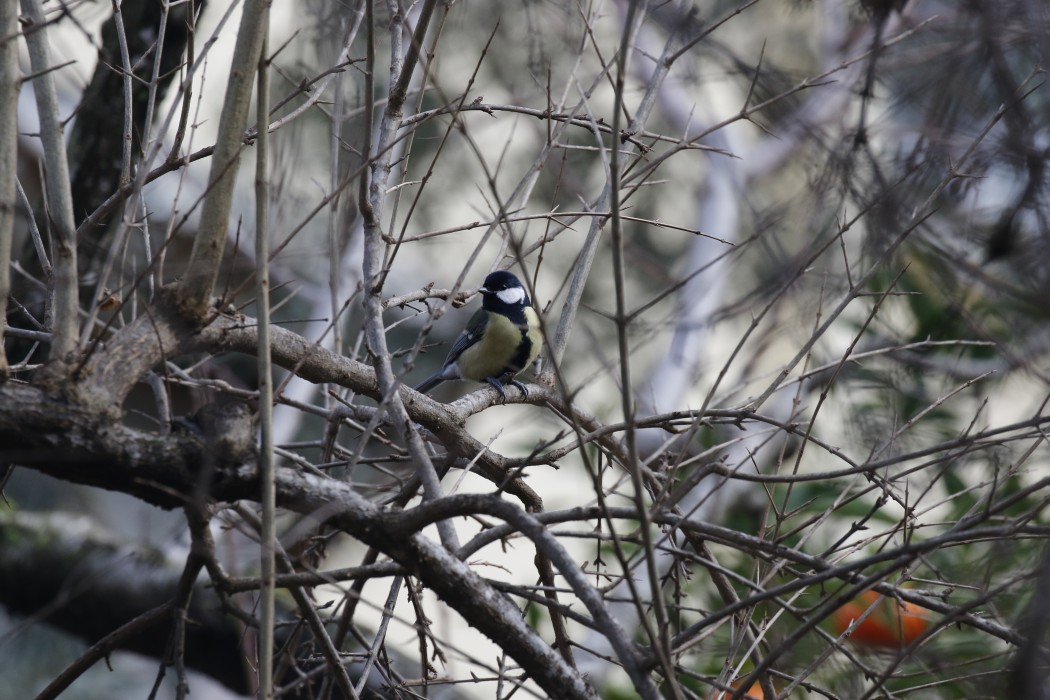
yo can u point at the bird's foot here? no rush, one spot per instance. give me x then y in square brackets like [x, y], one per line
[524, 389]
[498, 386]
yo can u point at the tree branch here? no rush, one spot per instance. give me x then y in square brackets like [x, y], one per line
[9, 84]
[64, 291]
[203, 269]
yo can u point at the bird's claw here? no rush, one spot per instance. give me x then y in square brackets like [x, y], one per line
[524, 389]
[498, 386]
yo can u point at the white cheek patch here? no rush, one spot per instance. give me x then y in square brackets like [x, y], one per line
[512, 296]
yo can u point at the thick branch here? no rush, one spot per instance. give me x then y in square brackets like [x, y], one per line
[9, 83]
[203, 268]
[79, 444]
[63, 285]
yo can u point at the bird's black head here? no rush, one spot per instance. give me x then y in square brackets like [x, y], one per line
[503, 289]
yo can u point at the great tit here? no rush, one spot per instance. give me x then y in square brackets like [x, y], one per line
[501, 339]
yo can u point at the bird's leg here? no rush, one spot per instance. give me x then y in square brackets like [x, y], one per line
[524, 389]
[498, 386]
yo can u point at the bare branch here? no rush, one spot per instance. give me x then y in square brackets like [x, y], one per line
[9, 85]
[196, 289]
[64, 292]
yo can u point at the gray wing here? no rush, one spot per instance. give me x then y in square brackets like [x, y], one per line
[470, 335]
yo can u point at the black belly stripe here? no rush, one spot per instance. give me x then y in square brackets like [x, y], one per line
[521, 357]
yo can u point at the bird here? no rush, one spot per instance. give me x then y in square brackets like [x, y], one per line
[501, 339]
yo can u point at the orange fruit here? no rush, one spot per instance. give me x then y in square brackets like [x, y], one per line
[893, 624]
[753, 693]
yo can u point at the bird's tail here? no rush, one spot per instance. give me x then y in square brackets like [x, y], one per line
[429, 383]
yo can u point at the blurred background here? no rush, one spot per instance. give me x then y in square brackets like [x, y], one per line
[835, 253]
